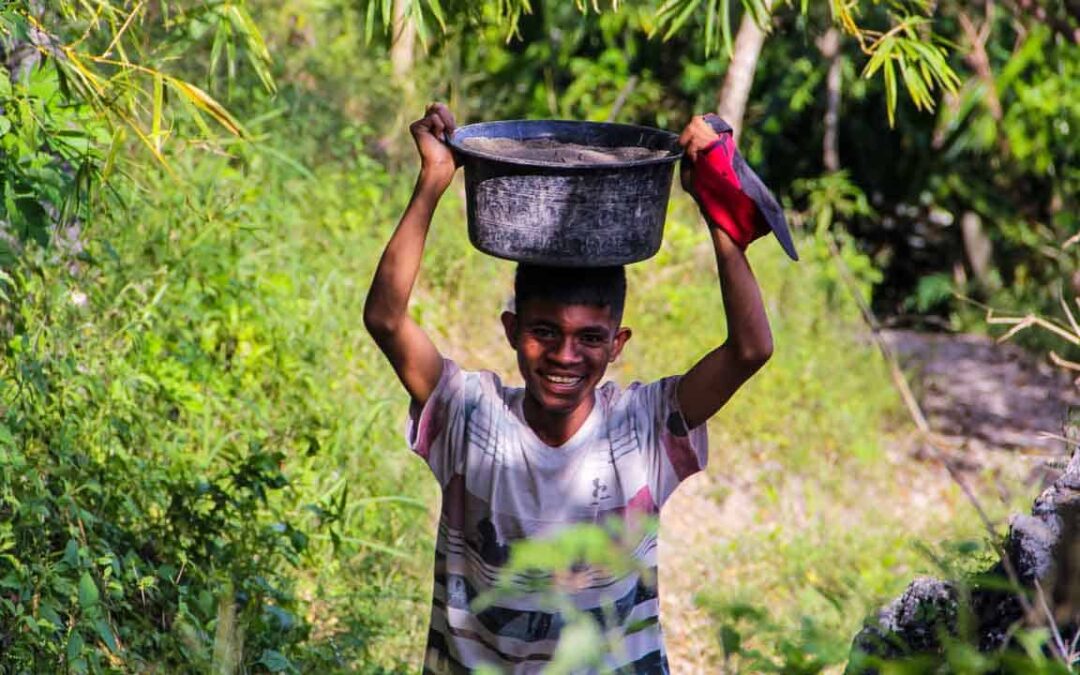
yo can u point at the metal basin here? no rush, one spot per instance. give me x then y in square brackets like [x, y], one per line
[571, 215]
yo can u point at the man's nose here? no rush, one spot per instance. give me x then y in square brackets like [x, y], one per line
[566, 351]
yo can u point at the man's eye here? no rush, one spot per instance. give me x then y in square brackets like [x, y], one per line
[543, 333]
[592, 339]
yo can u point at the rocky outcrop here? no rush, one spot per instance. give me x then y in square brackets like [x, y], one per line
[1044, 550]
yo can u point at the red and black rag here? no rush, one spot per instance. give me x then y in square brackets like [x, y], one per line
[731, 196]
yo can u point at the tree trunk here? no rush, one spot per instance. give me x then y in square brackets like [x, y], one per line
[397, 146]
[740, 73]
[977, 247]
[830, 145]
[403, 43]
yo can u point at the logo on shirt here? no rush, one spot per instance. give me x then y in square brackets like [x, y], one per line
[599, 492]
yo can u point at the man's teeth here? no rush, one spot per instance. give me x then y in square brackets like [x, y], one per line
[559, 379]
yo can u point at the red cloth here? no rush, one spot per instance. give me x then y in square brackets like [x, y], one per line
[719, 193]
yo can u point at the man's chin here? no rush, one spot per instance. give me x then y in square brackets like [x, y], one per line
[557, 404]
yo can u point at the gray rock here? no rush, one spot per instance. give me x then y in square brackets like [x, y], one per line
[1043, 547]
[912, 623]
[1032, 542]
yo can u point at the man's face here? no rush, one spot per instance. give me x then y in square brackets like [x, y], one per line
[563, 350]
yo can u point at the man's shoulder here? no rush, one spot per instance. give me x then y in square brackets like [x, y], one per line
[478, 383]
[636, 392]
[639, 403]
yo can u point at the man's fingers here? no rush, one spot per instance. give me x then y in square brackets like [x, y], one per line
[440, 112]
[447, 117]
[689, 149]
[684, 137]
[697, 135]
[435, 123]
[689, 141]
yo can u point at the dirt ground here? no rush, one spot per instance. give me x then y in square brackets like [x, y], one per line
[996, 406]
[986, 396]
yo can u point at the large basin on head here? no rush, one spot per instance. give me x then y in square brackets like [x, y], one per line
[601, 201]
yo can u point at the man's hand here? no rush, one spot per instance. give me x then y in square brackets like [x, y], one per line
[436, 160]
[730, 195]
[695, 138]
[710, 174]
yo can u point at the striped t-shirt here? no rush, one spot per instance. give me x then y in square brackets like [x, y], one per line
[501, 483]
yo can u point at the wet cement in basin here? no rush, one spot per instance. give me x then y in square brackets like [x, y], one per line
[558, 152]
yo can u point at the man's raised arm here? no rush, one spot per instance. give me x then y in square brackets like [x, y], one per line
[708, 385]
[411, 352]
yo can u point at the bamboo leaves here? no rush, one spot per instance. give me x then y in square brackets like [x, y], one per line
[121, 83]
[389, 15]
[673, 15]
[907, 52]
[922, 65]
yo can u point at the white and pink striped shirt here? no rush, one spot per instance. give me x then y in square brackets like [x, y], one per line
[500, 484]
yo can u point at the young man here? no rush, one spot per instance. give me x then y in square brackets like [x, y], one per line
[518, 463]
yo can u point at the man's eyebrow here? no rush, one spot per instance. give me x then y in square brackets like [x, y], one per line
[597, 328]
[541, 322]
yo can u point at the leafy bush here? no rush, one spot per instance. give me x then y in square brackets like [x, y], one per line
[186, 405]
[122, 543]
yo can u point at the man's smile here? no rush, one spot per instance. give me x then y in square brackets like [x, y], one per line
[568, 380]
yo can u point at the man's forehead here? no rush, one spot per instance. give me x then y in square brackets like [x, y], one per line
[541, 310]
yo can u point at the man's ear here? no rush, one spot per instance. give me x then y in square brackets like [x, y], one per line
[621, 336]
[509, 322]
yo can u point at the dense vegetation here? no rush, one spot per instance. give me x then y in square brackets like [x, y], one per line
[201, 465]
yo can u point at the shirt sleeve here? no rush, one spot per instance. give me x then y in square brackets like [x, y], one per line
[672, 452]
[436, 430]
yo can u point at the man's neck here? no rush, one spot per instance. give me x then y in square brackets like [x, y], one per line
[555, 428]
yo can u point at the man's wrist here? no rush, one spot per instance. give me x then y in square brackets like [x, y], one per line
[430, 185]
[724, 244]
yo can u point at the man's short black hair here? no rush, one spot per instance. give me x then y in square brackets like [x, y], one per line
[595, 286]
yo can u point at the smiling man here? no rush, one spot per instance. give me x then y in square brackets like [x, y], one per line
[518, 463]
[565, 329]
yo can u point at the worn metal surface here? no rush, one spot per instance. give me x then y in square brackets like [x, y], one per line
[570, 215]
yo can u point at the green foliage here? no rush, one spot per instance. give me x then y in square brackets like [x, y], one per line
[808, 649]
[82, 77]
[831, 198]
[672, 15]
[505, 14]
[931, 292]
[50, 151]
[921, 62]
[539, 563]
[565, 64]
[185, 413]
[963, 658]
[907, 46]
[119, 542]
[1012, 173]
